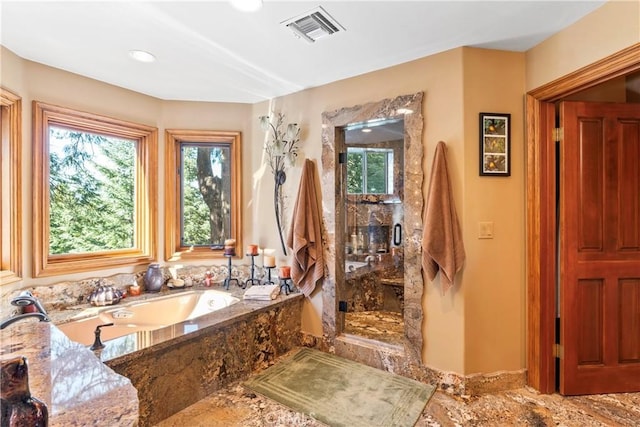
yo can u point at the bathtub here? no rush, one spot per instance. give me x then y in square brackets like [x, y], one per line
[147, 315]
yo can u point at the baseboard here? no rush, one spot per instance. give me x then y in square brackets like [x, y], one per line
[400, 361]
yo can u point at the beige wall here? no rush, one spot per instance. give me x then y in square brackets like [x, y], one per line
[479, 325]
[608, 29]
[34, 81]
[494, 274]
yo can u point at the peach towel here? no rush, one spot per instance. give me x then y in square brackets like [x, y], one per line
[442, 247]
[305, 234]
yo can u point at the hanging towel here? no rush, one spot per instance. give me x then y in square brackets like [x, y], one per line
[305, 236]
[442, 247]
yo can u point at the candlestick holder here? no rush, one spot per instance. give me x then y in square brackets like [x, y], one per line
[285, 283]
[252, 280]
[230, 279]
[269, 281]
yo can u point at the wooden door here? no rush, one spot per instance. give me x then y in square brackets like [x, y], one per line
[599, 248]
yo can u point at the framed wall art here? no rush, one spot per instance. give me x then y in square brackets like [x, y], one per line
[495, 144]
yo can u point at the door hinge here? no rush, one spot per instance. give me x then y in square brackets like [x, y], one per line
[342, 158]
[558, 134]
[558, 351]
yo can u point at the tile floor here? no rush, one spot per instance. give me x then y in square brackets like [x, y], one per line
[236, 406]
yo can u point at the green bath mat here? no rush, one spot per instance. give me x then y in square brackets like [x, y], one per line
[340, 392]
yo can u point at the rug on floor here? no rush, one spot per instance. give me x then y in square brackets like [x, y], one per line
[340, 392]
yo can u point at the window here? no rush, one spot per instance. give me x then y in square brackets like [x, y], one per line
[203, 196]
[369, 170]
[94, 191]
[11, 187]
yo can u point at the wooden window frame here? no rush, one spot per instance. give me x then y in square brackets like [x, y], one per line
[11, 206]
[174, 251]
[145, 229]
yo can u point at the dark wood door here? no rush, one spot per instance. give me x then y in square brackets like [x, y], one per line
[599, 248]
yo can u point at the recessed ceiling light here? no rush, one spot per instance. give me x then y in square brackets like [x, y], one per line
[404, 111]
[142, 56]
[247, 5]
[366, 130]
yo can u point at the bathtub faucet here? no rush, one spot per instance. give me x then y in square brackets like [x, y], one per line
[26, 299]
[369, 259]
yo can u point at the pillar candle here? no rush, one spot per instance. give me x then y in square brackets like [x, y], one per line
[285, 272]
[230, 247]
[252, 250]
[269, 261]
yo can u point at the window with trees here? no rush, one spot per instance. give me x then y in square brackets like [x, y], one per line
[11, 187]
[202, 194]
[369, 170]
[94, 191]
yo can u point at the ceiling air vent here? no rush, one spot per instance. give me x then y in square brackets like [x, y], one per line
[313, 25]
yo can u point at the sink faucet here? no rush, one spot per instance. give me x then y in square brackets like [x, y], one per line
[369, 259]
[26, 299]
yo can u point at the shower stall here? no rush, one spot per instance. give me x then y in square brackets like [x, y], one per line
[373, 295]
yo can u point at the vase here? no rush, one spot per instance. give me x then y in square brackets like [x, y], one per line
[19, 407]
[153, 278]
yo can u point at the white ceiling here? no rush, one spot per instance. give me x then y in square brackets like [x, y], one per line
[208, 51]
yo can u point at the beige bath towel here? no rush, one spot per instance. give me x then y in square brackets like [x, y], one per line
[442, 247]
[305, 234]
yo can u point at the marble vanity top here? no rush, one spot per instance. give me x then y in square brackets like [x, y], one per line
[78, 389]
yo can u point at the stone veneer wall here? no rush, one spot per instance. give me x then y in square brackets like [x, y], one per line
[174, 375]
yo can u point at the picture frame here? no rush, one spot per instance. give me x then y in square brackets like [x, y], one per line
[495, 144]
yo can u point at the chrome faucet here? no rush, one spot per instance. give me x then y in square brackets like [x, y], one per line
[26, 299]
[369, 259]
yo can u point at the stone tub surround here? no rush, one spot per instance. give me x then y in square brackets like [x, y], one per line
[175, 366]
[77, 388]
[173, 374]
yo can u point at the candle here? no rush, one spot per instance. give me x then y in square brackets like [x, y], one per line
[135, 290]
[230, 247]
[252, 250]
[285, 272]
[269, 261]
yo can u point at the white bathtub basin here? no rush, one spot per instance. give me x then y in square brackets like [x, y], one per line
[147, 315]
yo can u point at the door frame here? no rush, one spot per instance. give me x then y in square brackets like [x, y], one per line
[541, 207]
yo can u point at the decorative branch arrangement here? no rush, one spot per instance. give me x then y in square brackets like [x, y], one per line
[281, 148]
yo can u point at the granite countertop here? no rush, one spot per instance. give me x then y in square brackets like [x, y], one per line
[78, 389]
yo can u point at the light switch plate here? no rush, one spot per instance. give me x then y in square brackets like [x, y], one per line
[485, 230]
